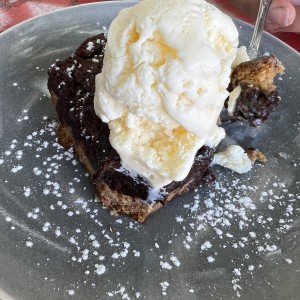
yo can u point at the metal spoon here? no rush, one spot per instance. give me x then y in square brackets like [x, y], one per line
[258, 29]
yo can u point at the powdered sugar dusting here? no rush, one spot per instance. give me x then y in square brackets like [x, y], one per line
[164, 286]
[228, 232]
[100, 269]
[237, 215]
[29, 244]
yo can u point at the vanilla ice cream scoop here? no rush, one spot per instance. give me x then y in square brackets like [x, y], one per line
[166, 68]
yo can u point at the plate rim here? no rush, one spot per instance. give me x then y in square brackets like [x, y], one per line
[129, 3]
[62, 9]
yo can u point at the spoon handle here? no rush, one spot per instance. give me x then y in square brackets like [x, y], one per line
[259, 27]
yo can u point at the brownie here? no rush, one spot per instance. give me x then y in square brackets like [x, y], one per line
[258, 96]
[72, 85]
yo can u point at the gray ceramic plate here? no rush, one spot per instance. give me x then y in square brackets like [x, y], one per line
[238, 237]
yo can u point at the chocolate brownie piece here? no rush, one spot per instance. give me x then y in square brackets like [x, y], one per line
[256, 96]
[72, 85]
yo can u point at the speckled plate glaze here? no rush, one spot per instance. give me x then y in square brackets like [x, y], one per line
[237, 237]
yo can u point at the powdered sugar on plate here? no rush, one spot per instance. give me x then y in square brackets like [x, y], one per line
[229, 231]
